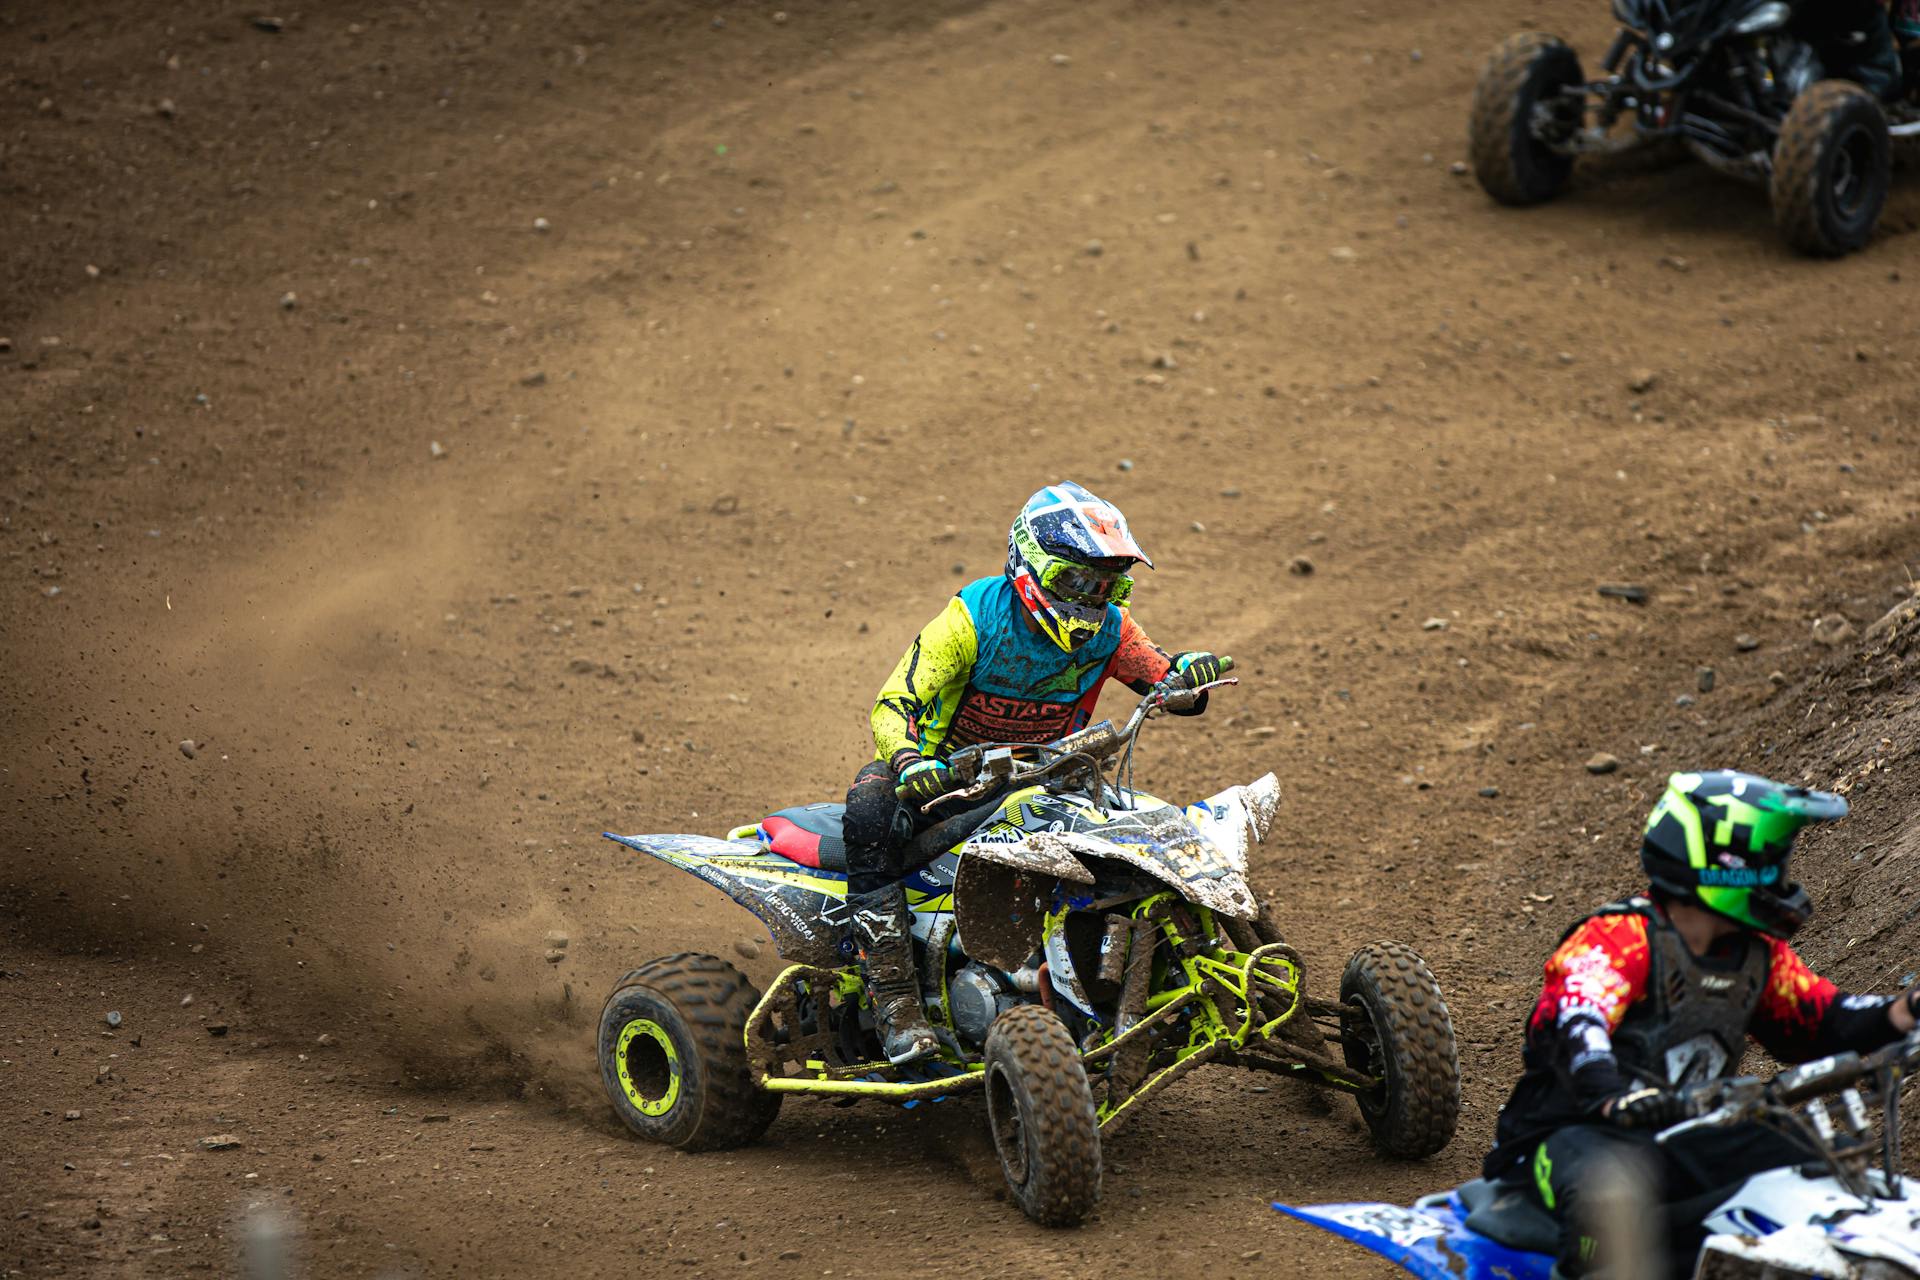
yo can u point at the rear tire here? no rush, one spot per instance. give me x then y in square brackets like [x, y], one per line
[1832, 167]
[1396, 1028]
[673, 1055]
[1041, 1112]
[1512, 164]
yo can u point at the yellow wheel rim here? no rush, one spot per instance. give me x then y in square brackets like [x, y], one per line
[648, 1067]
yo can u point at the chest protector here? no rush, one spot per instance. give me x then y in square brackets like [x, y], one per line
[1691, 1024]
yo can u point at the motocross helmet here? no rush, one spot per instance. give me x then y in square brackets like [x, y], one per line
[1067, 557]
[1721, 839]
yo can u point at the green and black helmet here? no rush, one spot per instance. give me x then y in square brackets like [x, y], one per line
[1722, 838]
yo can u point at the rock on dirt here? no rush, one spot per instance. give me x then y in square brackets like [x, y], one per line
[1704, 678]
[1434, 624]
[189, 748]
[1641, 381]
[1831, 630]
[113, 1017]
[1745, 643]
[219, 1142]
[1300, 566]
[1631, 592]
[1601, 762]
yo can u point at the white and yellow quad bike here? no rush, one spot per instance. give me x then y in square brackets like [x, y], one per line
[1082, 945]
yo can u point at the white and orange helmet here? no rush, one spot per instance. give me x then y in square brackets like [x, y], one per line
[1068, 554]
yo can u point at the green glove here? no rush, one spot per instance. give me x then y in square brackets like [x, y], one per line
[924, 780]
[1196, 669]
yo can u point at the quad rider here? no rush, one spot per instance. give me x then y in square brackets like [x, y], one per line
[1854, 40]
[1661, 991]
[1019, 657]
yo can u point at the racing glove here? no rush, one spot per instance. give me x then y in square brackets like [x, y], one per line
[924, 780]
[1191, 670]
[1647, 1108]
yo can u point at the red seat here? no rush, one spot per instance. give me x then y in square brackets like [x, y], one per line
[809, 835]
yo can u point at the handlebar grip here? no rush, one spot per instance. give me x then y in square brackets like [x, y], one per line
[1226, 663]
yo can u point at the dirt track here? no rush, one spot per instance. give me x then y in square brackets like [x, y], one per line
[817, 303]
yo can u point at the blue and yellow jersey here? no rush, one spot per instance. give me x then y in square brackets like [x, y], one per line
[979, 673]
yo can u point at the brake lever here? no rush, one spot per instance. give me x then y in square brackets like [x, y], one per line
[1725, 1113]
[972, 791]
[1190, 696]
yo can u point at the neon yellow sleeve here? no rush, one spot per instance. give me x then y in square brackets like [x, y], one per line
[915, 708]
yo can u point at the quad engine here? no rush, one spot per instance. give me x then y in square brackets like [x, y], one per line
[976, 995]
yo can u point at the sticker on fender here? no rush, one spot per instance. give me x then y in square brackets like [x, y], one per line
[1404, 1227]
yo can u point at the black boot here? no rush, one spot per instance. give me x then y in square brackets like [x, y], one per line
[881, 930]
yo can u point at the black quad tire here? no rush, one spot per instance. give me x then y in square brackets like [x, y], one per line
[673, 1055]
[1396, 1027]
[1832, 167]
[1041, 1112]
[1514, 166]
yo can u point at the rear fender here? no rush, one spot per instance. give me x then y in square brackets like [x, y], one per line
[805, 909]
[1431, 1242]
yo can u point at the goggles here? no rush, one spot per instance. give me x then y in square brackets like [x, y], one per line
[1084, 584]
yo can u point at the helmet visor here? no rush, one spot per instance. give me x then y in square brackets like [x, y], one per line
[1085, 585]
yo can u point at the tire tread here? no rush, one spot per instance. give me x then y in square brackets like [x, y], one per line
[713, 1000]
[1063, 1182]
[1423, 1070]
[1510, 174]
[1798, 162]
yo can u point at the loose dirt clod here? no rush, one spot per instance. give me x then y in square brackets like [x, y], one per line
[1832, 629]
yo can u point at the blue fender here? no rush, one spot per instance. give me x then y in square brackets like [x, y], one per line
[1431, 1242]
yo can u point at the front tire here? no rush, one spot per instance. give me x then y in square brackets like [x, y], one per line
[1396, 1028]
[1041, 1111]
[673, 1055]
[1832, 167]
[1512, 164]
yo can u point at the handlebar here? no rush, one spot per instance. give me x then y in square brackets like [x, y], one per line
[986, 767]
[1732, 1101]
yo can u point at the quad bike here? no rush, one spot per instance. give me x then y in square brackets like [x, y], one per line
[1839, 1219]
[1723, 78]
[1081, 944]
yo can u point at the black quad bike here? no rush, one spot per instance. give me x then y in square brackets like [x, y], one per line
[1725, 79]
